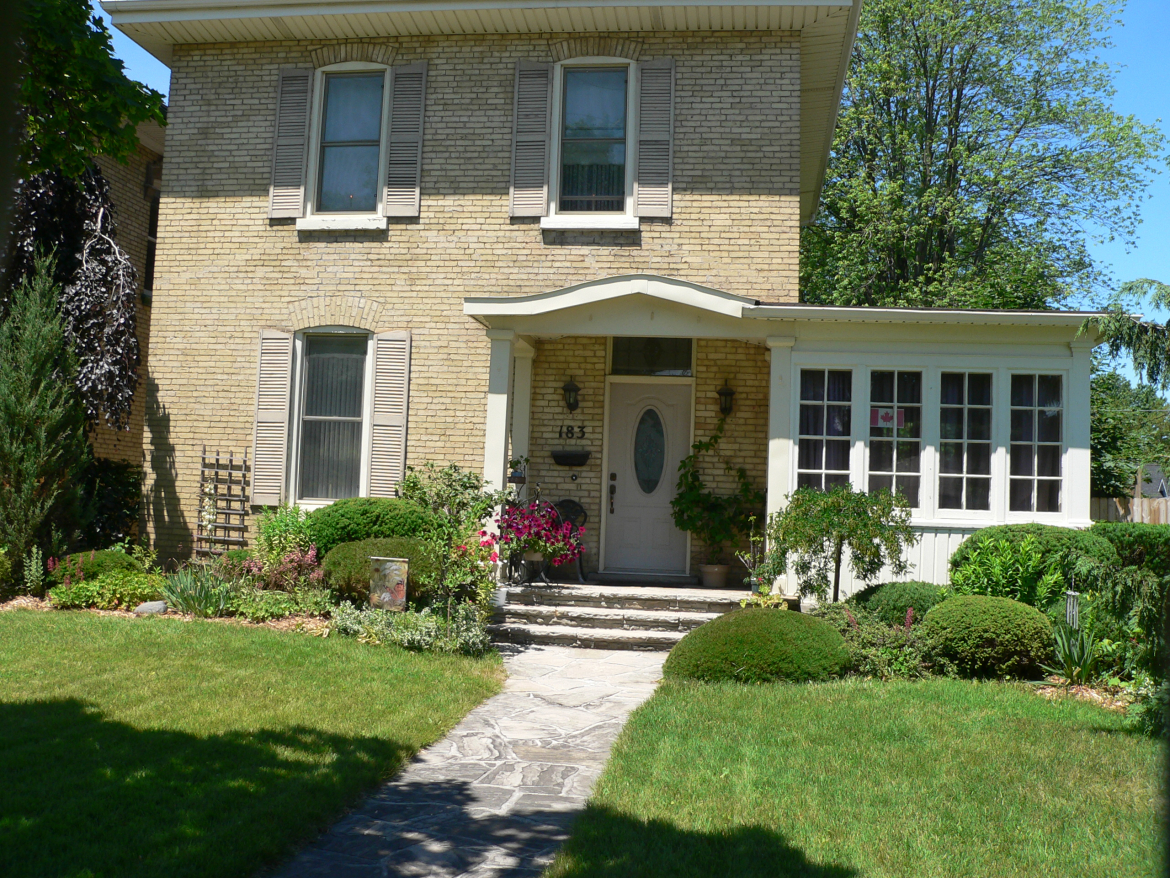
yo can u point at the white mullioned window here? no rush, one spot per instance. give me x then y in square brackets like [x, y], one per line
[895, 433]
[1036, 443]
[965, 441]
[826, 420]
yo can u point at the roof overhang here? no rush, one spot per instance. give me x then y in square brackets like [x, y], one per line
[643, 304]
[827, 31]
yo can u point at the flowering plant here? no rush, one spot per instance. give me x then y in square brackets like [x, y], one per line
[537, 527]
[297, 568]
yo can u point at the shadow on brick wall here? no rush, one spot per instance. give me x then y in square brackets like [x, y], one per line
[163, 510]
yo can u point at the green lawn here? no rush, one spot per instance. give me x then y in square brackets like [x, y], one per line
[156, 747]
[849, 779]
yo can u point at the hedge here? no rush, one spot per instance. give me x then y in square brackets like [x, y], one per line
[1138, 545]
[364, 518]
[1054, 542]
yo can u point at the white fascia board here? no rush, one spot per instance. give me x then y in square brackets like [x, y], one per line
[828, 313]
[679, 292]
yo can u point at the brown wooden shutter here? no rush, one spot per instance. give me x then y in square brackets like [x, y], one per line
[408, 87]
[270, 440]
[391, 402]
[652, 186]
[286, 195]
[531, 130]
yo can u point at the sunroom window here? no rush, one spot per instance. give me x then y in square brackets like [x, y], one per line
[964, 480]
[1036, 444]
[895, 433]
[826, 418]
[332, 416]
[351, 132]
[593, 139]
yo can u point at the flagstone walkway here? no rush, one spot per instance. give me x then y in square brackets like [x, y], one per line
[497, 795]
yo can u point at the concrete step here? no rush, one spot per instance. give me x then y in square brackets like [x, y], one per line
[573, 616]
[693, 600]
[589, 638]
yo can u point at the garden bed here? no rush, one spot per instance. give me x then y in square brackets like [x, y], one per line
[937, 778]
[161, 747]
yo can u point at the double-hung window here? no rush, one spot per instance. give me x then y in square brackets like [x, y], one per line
[826, 419]
[1036, 444]
[349, 157]
[331, 416]
[895, 433]
[964, 480]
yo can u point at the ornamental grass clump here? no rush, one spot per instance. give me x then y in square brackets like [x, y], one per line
[995, 637]
[537, 527]
[759, 645]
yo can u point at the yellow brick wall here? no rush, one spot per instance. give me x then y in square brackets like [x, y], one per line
[224, 269]
[132, 210]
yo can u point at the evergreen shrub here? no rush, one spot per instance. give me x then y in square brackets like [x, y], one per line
[347, 566]
[981, 636]
[759, 645]
[90, 565]
[1138, 545]
[365, 518]
[890, 601]
[1062, 546]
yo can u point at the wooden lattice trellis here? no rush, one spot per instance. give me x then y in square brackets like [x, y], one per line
[223, 503]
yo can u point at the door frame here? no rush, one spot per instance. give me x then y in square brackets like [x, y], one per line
[603, 500]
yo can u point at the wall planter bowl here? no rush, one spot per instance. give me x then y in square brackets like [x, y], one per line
[571, 456]
[714, 575]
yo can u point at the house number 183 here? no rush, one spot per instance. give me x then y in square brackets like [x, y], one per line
[568, 431]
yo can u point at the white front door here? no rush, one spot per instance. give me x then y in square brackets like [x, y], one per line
[649, 433]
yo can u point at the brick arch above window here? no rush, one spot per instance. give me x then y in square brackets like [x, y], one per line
[595, 47]
[336, 53]
[355, 311]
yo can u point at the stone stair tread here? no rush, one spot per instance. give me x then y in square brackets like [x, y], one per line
[602, 638]
[616, 612]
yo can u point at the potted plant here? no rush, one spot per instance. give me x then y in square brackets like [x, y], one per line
[716, 519]
[536, 533]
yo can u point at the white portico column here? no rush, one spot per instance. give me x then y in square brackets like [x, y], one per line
[522, 397]
[779, 420]
[495, 450]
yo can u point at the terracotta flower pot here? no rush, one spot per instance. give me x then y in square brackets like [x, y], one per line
[714, 575]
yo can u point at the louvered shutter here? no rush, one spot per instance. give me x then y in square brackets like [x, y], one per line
[391, 401]
[286, 195]
[652, 187]
[408, 87]
[270, 439]
[531, 131]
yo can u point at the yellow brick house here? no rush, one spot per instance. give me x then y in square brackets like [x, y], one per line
[395, 232]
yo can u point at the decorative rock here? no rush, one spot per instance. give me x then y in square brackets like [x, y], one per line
[151, 608]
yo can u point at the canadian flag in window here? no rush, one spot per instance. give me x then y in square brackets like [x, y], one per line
[884, 417]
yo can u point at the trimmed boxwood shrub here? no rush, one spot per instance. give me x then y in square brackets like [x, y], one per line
[365, 518]
[981, 636]
[347, 567]
[758, 645]
[91, 565]
[1138, 545]
[890, 601]
[1054, 542]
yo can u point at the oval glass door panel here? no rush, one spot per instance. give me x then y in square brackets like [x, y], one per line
[649, 450]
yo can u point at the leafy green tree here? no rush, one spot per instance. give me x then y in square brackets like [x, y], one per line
[816, 528]
[43, 449]
[1129, 426]
[1146, 342]
[77, 101]
[975, 144]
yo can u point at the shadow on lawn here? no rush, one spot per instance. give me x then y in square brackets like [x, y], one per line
[84, 796]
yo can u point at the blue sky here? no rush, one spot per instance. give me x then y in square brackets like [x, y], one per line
[1140, 50]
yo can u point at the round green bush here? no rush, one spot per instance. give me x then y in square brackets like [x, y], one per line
[890, 601]
[92, 565]
[347, 566]
[981, 636]
[1055, 542]
[757, 645]
[1138, 544]
[365, 518]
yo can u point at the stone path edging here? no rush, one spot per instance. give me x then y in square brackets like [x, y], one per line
[497, 795]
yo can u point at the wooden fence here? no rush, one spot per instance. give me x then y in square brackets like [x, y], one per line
[1147, 510]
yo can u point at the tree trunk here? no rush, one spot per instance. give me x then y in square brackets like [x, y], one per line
[837, 572]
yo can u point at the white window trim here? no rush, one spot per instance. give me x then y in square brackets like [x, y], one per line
[365, 221]
[592, 220]
[858, 441]
[864, 450]
[1016, 517]
[296, 399]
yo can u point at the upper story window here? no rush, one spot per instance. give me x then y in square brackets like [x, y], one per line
[593, 139]
[351, 142]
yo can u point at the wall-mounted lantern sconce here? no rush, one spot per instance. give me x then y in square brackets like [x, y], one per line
[571, 390]
[726, 398]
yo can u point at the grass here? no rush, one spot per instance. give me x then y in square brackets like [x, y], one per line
[858, 779]
[159, 747]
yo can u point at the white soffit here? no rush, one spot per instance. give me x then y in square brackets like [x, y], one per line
[827, 31]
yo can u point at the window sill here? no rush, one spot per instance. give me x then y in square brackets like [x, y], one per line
[603, 223]
[340, 223]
